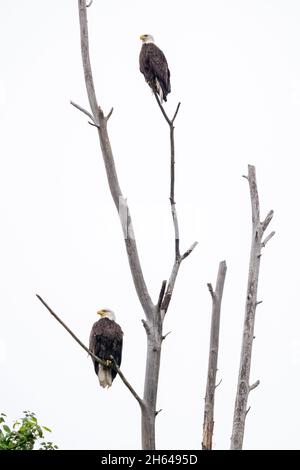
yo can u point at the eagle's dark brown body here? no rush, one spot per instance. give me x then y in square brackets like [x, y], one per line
[154, 67]
[106, 339]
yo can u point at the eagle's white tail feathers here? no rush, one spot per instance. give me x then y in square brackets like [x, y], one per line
[160, 92]
[108, 377]
[104, 376]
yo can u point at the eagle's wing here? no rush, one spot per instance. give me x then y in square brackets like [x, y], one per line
[92, 346]
[158, 63]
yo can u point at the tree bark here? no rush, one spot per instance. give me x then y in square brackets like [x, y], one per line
[243, 387]
[154, 340]
[208, 424]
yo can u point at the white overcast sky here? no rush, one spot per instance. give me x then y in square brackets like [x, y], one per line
[235, 67]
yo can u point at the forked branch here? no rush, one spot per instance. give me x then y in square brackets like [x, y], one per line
[84, 111]
[178, 257]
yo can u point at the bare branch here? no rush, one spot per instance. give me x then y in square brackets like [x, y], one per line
[157, 412]
[176, 226]
[92, 124]
[267, 220]
[87, 113]
[89, 4]
[171, 284]
[248, 409]
[161, 293]
[259, 302]
[210, 288]
[178, 257]
[125, 381]
[265, 241]
[69, 331]
[170, 287]
[175, 114]
[85, 54]
[253, 386]
[169, 121]
[109, 114]
[253, 196]
[208, 422]
[219, 383]
[162, 110]
[164, 336]
[97, 359]
[189, 251]
[172, 173]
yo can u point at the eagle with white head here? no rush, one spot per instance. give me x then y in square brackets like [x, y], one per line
[106, 340]
[154, 67]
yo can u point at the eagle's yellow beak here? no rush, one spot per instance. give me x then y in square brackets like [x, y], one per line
[142, 37]
[101, 313]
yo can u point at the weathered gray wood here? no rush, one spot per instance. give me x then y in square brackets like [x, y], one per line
[243, 387]
[154, 339]
[178, 257]
[208, 423]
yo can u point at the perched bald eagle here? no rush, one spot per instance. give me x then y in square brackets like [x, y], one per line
[106, 339]
[154, 67]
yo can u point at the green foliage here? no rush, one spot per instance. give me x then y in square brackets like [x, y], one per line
[25, 433]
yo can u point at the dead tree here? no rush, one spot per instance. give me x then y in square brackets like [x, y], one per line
[154, 312]
[216, 295]
[258, 242]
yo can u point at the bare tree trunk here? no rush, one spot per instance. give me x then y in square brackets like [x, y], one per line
[154, 340]
[243, 387]
[154, 313]
[208, 424]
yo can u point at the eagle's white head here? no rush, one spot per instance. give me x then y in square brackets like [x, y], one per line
[147, 38]
[106, 313]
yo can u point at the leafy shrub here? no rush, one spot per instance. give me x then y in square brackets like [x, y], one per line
[24, 435]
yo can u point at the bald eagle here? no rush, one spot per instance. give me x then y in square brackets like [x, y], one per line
[106, 339]
[154, 67]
